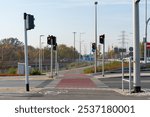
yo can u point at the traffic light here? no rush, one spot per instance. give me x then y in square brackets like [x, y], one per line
[102, 38]
[55, 47]
[30, 22]
[54, 40]
[93, 47]
[51, 40]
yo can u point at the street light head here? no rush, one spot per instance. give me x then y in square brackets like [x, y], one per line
[96, 3]
[74, 32]
[137, 1]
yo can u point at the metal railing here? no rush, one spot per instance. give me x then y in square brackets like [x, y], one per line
[130, 75]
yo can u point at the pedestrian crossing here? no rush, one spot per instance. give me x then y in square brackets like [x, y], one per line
[99, 84]
[75, 82]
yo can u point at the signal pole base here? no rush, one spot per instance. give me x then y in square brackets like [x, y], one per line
[137, 89]
[27, 87]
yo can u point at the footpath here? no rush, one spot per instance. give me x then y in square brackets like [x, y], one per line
[72, 81]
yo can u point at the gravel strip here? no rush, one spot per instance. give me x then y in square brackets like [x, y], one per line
[145, 92]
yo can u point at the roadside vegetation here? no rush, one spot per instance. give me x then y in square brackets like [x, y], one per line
[108, 67]
[12, 53]
[78, 65]
[35, 72]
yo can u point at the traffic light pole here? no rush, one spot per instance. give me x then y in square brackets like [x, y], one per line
[26, 54]
[56, 63]
[102, 41]
[103, 60]
[28, 25]
[136, 54]
[51, 58]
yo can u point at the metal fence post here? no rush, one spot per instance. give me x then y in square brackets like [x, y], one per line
[130, 75]
[122, 74]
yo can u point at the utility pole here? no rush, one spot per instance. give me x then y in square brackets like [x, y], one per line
[123, 39]
[136, 50]
[123, 42]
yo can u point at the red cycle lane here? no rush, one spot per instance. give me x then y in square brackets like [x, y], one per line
[76, 81]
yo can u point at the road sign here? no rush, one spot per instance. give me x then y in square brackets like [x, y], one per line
[148, 45]
[122, 50]
[131, 49]
[130, 53]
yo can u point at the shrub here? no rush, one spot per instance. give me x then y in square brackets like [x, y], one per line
[89, 70]
[78, 64]
[12, 71]
[35, 72]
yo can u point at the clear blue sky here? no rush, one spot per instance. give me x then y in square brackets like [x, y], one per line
[62, 17]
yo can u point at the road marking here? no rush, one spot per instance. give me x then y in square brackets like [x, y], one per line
[99, 83]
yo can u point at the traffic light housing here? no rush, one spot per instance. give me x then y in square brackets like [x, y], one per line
[30, 22]
[51, 40]
[54, 40]
[55, 47]
[102, 39]
[93, 47]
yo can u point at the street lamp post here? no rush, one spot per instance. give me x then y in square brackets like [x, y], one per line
[80, 47]
[146, 26]
[96, 35]
[74, 44]
[40, 59]
[145, 39]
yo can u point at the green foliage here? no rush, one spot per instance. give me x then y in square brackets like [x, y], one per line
[12, 71]
[65, 52]
[12, 52]
[35, 72]
[89, 70]
[77, 64]
[110, 66]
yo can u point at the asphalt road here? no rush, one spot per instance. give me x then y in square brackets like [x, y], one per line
[117, 82]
